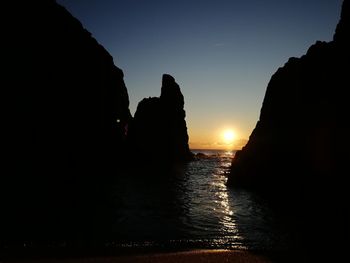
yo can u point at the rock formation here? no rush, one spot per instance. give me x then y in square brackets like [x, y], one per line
[158, 133]
[67, 109]
[302, 125]
[299, 149]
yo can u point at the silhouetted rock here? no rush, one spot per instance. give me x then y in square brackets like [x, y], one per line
[201, 156]
[342, 31]
[66, 117]
[158, 134]
[298, 153]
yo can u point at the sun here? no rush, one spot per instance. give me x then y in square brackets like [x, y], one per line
[228, 136]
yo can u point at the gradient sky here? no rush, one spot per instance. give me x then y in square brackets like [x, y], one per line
[222, 53]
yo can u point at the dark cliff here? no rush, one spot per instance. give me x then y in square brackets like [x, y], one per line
[158, 133]
[302, 126]
[298, 153]
[67, 109]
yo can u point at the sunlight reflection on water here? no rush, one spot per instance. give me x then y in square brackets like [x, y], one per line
[194, 207]
[212, 199]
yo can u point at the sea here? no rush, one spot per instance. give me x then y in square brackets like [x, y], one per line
[156, 209]
[192, 207]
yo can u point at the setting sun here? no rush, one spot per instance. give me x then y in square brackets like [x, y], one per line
[228, 136]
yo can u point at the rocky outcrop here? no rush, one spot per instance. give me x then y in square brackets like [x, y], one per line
[67, 110]
[342, 31]
[298, 152]
[158, 133]
[301, 127]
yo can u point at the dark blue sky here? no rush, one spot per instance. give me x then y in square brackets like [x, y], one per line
[222, 53]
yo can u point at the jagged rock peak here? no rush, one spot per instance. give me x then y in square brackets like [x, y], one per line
[342, 31]
[167, 79]
[170, 92]
[158, 131]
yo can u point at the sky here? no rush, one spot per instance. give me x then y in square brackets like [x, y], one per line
[222, 53]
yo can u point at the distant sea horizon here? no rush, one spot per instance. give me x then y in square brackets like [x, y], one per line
[214, 151]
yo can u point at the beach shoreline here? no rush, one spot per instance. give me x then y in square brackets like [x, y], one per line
[193, 256]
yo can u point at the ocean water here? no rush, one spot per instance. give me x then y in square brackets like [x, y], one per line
[191, 207]
[183, 207]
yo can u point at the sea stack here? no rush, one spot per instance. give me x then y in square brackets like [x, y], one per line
[158, 133]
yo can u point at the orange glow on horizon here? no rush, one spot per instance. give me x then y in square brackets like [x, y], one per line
[222, 139]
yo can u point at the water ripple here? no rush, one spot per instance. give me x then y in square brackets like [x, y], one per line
[195, 207]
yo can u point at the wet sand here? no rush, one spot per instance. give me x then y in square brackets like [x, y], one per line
[194, 256]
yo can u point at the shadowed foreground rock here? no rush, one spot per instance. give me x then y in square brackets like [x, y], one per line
[158, 134]
[66, 113]
[298, 154]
